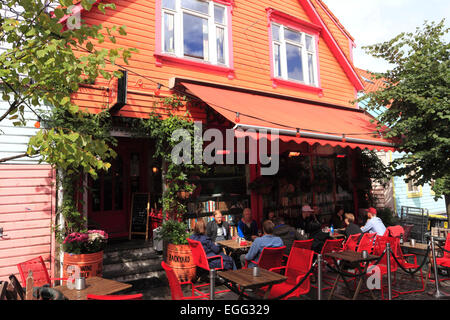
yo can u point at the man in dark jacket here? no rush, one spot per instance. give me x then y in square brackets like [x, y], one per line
[287, 233]
[218, 229]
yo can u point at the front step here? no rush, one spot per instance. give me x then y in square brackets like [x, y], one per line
[131, 260]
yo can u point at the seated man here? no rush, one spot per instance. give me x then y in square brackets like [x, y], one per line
[373, 224]
[287, 233]
[267, 240]
[218, 229]
[247, 227]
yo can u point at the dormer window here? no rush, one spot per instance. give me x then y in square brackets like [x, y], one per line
[195, 29]
[294, 55]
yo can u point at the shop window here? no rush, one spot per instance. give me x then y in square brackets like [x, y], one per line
[195, 30]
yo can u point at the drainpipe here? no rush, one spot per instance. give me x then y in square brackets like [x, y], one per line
[60, 196]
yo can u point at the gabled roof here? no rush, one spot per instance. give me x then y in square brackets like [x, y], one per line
[346, 64]
[370, 83]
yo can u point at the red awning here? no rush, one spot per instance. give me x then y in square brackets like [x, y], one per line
[316, 123]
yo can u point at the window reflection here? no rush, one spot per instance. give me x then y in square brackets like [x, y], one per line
[294, 62]
[195, 33]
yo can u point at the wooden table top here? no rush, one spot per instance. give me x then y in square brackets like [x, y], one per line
[351, 256]
[245, 278]
[94, 285]
[234, 245]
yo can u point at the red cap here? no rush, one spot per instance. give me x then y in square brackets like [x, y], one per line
[372, 210]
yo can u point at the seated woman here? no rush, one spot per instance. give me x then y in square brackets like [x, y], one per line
[210, 248]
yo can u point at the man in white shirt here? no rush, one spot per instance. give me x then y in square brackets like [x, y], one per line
[373, 224]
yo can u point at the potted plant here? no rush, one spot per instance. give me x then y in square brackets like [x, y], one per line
[85, 250]
[176, 251]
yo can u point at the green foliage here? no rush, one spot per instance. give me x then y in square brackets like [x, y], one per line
[417, 99]
[387, 216]
[176, 176]
[45, 63]
[174, 232]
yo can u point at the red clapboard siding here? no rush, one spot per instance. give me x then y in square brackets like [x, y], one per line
[27, 210]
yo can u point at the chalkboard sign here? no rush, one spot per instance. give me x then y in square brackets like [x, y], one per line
[140, 206]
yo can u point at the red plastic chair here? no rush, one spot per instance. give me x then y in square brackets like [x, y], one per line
[394, 231]
[304, 244]
[443, 261]
[199, 255]
[378, 249]
[202, 261]
[367, 242]
[351, 243]
[331, 246]
[298, 265]
[40, 274]
[137, 296]
[175, 286]
[328, 247]
[403, 260]
[269, 258]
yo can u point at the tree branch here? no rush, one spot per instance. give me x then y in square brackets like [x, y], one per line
[14, 157]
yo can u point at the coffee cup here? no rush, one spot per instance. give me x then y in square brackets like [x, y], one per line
[413, 242]
[256, 272]
[365, 254]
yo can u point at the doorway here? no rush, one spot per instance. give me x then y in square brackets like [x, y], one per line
[109, 201]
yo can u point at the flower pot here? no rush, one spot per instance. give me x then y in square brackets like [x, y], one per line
[179, 258]
[91, 264]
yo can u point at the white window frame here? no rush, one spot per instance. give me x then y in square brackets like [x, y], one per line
[212, 36]
[304, 53]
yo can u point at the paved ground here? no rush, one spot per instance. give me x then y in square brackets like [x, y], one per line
[157, 289]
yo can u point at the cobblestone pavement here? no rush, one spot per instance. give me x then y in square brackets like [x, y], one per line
[157, 289]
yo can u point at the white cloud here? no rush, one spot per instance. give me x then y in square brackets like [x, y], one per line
[375, 21]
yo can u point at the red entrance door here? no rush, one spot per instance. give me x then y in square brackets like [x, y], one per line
[110, 196]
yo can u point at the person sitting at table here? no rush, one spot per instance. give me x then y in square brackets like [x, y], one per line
[211, 249]
[351, 227]
[373, 224]
[316, 233]
[337, 219]
[247, 227]
[287, 233]
[305, 218]
[270, 216]
[218, 229]
[268, 240]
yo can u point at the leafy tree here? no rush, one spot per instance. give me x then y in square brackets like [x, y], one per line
[416, 94]
[44, 63]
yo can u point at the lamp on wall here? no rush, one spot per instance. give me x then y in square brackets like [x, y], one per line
[155, 170]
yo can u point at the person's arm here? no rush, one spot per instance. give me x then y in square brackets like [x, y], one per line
[212, 246]
[253, 251]
[240, 230]
[367, 227]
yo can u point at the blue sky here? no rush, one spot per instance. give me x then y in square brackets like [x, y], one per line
[374, 21]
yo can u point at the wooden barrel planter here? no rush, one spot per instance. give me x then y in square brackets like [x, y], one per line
[91, 264]
[179, 258]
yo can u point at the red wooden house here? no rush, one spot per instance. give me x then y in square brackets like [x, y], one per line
[253, 64]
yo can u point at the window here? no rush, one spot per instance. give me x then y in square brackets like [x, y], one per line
[195, 29]
[413, 190]
[294, 55]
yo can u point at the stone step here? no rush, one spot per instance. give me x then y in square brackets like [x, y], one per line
[124, 256]
[132, 267]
